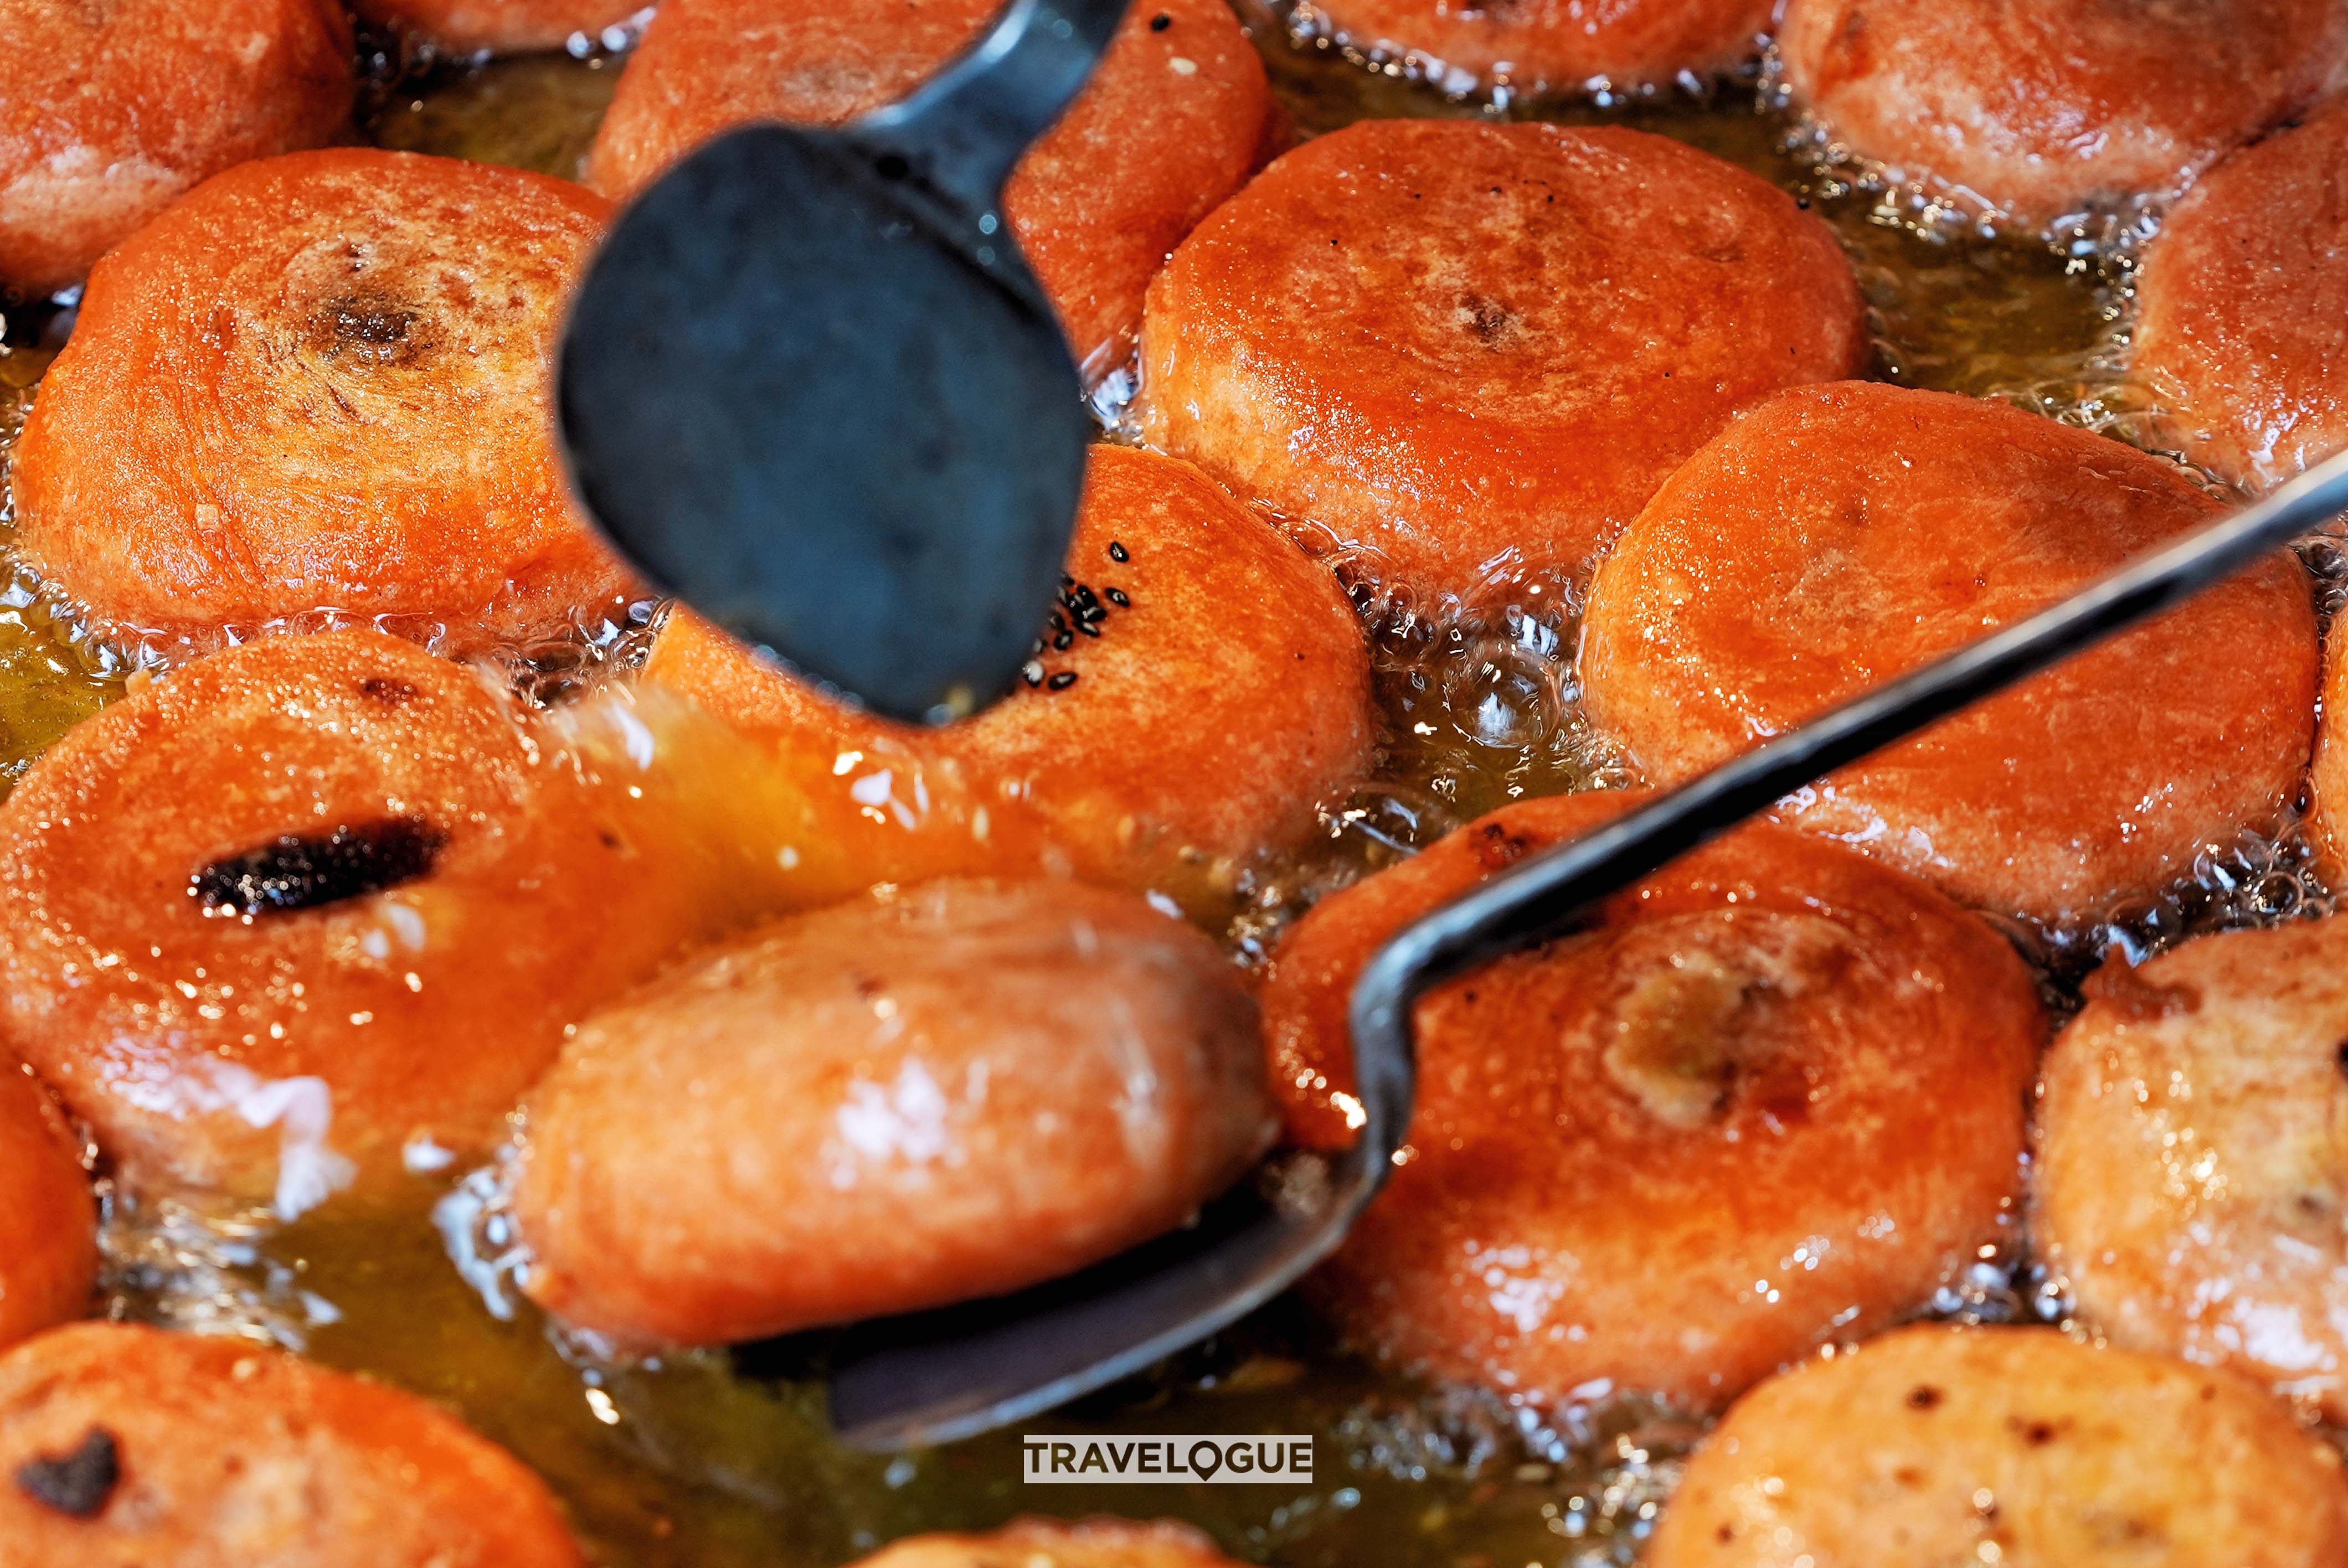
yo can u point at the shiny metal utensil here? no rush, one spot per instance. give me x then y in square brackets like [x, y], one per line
[1551, 893]
[809, 385]
[917, 1380]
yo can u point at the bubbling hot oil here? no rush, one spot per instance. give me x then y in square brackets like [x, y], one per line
[713, 1461]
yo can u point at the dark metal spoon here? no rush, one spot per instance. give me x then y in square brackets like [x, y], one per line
[810, 386]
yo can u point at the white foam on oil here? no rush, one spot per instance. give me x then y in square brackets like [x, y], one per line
[302, 1109]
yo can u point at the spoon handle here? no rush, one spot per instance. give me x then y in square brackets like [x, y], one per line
[1551, 893]
[967, 129]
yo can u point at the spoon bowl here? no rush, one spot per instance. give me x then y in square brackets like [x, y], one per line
[810, 386]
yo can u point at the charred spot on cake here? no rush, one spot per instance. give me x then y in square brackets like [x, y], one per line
[296, 872]
[1924, 1397]
[386, 692]
[379, 326]
[370, 330]
[1496, 847]
[76, 1484]
[1488, 322]
[2036, 1434]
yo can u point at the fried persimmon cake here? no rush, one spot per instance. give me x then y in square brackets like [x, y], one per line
[1540, 46]
[322, 380]
[108, 111]
[2036, 109]
[131, 1445]
[1937, 1444]
[2327, 806]
[2192, 1178]
[915, 1098]
[499, 26]
[1175, 118]
[1050, 1544]
[48, 1217]
[311, 904]
[2238, 304]
[1199, 688]
[1838, 537]
[1773, 1097]
[1478, 349]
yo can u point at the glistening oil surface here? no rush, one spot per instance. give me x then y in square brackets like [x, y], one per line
[693, 1463]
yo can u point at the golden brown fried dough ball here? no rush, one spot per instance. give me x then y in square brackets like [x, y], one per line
[910, 1099]
[2193, 1155]
[1202, 686]
[1838, 537]
[2034, 109]
[499, 26]
[1173, 121]
[1048, 1543]
[49, 1218]
[310, 902]
[1774, 1098]
[136, 1447]
[109, 110]
[1546, 46]
[1479, 348]
[1937, 1445]
[322, 380]
[2238, 306]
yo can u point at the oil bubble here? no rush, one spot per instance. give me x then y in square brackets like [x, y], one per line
[1500, 695]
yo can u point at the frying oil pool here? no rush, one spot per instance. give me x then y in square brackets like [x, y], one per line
[710, 1461]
